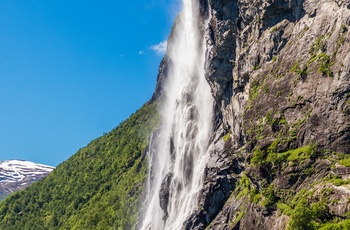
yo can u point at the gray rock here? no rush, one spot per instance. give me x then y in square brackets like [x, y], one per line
[279, 71]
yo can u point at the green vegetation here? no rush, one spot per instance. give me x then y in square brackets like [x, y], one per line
[318, 45]
[301, 217]
[295, 155]
[266, 89]
[299, 122]
[243, 187]
[278, 94]
[345, 162]
[296, 67]
[97, 188]
[270, 198]
[274, 29]
[318, 53]
[341, 39]
[301, 71]
[254, 90]
[256, 67]
[227, 136]
[325, 65]
[298, 181]
[258, 157]
[341, 225]
[301, 153]
[339, 181]
[285, 208]
[312, 216]
[307, 208]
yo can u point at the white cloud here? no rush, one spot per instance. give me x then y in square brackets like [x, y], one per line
[160, 48]
[141, 52]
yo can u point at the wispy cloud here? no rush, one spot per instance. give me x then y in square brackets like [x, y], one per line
[141, 52]
[160, 48]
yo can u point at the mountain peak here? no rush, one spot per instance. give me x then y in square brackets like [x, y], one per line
[19, 174]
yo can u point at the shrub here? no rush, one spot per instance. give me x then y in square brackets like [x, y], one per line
[301, 218]
[258, 157]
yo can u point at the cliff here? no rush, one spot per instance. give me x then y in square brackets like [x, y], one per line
[279, 72]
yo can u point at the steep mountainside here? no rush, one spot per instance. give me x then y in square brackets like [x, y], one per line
[279, 73]
[97, 188]
[16, 175]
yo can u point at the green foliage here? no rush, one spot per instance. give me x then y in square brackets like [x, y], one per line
[270, 198]
[274, 29]
[226, 136]
[339, 181]
[256, 198]
[301, 71]
[318, 45]
[238, 215]
[258, 157]
[345, 162]
[266, 89]
[254, 195]
[256, 67]
[320, 211]
[295, 155]
[325, 65]
[301, 153]
[299, 122]
[285, 208]
[278, 94]
[341, 225]
[301, 217]
[323, 58]
[311, 215]
[254, 90]
[243, 186]
[296, 67]
[97, 188]
[341, 39]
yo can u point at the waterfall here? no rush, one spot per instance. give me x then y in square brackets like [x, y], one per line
[179, 151]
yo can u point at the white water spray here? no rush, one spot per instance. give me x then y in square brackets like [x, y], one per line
[179, 151]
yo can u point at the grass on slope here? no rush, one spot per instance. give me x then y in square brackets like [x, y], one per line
[97, 188]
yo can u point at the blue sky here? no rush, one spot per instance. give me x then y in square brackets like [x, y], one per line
[73, 70]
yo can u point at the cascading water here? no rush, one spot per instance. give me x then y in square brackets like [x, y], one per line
[179, 151]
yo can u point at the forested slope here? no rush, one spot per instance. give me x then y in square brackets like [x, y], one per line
[97, 188]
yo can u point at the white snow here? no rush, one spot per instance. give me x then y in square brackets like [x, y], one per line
[18, 170]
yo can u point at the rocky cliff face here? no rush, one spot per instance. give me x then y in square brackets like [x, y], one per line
[279, 72]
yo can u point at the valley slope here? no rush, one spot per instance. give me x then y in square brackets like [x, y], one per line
[97, 188]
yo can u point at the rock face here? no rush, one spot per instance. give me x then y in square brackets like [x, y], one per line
[16, 175]
[279, 71]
